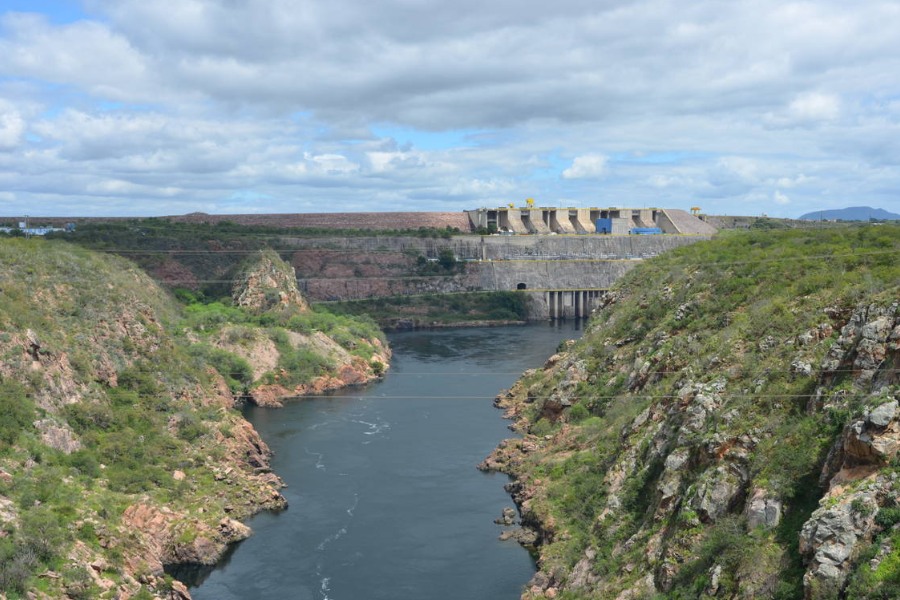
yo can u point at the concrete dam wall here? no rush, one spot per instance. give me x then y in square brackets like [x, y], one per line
[504, 247]
[563, 275]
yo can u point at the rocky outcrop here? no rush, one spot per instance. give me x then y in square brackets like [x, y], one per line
[268, 283]
[129, 454]
[858, 483]
[763, 510]
[167, 537]
[348, 370]
[673, 445]
[57, 436]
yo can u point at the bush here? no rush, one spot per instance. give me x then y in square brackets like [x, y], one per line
[888, 517]
[42, 533]
[236, 371]
[302, 366]
[16, 566]
[578, 412]
[190, 428]
[214, 315]
[17, 412]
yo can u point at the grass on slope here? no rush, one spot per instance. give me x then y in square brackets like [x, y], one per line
[719, 312]
[123, 369]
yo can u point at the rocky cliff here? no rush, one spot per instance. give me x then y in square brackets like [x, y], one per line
[120, 448]
[727, 428]
[300, 352]
[267, 283]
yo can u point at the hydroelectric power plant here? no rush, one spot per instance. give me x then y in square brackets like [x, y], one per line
[564, 259]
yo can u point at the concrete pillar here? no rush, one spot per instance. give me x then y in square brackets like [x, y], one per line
[583, 223]
[577, 302]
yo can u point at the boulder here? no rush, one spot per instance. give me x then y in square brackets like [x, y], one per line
[763, 511]
[830, 537]
[883, 415]
[719, 491]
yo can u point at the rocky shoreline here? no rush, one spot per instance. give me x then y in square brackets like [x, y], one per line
[856, 477]
[530, 531]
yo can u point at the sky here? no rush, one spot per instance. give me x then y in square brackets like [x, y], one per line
[164, 107]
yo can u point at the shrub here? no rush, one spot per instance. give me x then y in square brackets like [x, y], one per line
[302, 366]
[190, 428]
[578, 412]
[16, 566]
[236, 371]
[887, 517]
[17, 412]
[42, 533]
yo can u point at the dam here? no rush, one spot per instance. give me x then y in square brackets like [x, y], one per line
[562, 259]
[563, 276]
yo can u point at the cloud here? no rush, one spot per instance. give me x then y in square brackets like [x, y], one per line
[84, 54]
[814, 106]
[746, 169]
[12, 127]
[439, 106]
[589, 166]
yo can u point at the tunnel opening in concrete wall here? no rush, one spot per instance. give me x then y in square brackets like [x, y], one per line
[521, 286]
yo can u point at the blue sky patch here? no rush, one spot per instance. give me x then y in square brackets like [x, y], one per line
[427, 140]
[56, 11]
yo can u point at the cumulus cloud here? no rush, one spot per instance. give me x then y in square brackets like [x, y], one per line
[815, 107]
[278, 100]
[589, 166]
[12, 127]
[84, 54]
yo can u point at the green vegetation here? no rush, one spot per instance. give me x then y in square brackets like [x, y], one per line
[121, 233]
[721, 319]
[437, 308]
[110, 398]
[17, 410]
[204, 259]
[232, 328]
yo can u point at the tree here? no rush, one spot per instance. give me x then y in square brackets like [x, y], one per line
[446, 258]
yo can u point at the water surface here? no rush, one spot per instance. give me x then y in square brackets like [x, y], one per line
[385, 501]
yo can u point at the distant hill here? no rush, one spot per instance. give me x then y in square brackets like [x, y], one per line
[853, 213]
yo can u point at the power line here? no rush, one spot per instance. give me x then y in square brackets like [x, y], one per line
[627, 396]
[394, 373]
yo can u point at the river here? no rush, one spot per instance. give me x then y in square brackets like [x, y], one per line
[385, 500]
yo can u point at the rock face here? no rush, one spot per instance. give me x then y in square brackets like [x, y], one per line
[268, 283]
[169, 537]
[672, 454]
[348, 370]
[159, 467]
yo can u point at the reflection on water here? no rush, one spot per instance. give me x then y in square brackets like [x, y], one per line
[385, 501]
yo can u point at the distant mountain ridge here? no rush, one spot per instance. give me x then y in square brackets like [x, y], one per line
[852, 213]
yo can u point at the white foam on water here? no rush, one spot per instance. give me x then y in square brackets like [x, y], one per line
[320, 458]
[374, 428]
